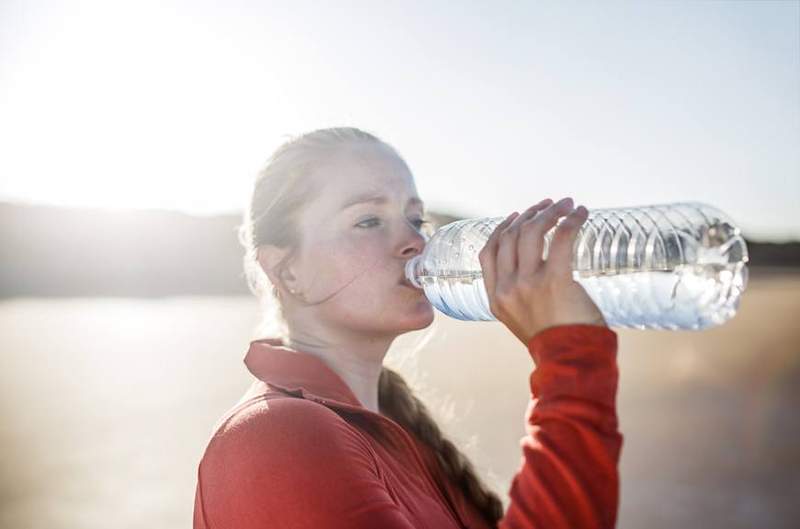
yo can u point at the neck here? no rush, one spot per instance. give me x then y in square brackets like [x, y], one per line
[357, 362]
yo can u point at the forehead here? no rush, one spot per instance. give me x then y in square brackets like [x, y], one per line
[362, 172]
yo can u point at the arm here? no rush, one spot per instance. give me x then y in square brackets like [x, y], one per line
[569, 476]
[291, 463]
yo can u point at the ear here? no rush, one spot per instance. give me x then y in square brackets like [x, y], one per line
[269, 256]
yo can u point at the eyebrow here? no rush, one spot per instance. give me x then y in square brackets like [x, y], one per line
[375, 199]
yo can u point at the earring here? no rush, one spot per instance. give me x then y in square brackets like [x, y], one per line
[277, 294]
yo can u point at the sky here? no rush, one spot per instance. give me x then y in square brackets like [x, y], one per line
[494, 106]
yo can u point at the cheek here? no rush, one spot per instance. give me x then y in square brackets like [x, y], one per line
[356, 285]
[346, 267]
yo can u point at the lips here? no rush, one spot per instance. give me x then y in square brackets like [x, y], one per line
[405, 282]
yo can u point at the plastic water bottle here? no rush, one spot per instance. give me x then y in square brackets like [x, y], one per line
[666, 266]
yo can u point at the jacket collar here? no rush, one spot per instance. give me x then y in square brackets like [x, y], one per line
[299, 373]
[303, 374]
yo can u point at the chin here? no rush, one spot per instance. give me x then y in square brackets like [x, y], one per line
[395, 318]
[405, 319]
[423, 316]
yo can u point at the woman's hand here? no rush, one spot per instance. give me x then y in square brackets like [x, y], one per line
[527, 293]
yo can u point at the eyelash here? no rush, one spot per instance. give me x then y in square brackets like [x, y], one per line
[418, 222]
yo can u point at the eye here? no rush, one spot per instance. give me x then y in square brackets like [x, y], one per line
[419, 223]
[360, 224]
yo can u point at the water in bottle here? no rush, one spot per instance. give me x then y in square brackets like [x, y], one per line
[667, 266]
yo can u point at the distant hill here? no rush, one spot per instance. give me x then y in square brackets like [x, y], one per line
[57, 251]
[60, 251]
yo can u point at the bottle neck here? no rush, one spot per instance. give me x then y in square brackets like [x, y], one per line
[413, 270]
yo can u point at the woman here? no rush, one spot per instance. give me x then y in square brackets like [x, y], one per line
[329, 438]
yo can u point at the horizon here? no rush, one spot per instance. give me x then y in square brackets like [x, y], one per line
[754, 238]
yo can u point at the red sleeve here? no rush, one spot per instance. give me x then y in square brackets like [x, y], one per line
[569, 477]
[291, 463]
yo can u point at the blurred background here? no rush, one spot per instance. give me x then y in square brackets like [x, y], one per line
[131, 133]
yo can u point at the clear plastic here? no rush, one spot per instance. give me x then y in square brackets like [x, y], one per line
[679, 266]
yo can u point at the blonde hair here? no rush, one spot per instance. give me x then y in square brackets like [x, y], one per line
[281, 191]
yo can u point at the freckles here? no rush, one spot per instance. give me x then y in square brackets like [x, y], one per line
[343, 254]
[338, 264]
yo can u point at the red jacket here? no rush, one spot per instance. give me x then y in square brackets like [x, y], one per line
[300, 451]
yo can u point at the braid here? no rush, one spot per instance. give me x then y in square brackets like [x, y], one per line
[397, 400]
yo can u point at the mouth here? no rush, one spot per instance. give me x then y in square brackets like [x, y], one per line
[406, 283]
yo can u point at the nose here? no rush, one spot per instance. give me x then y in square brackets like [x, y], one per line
[413, 242]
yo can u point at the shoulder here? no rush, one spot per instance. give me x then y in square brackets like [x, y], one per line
[278, 433]
[267, 419]
[281, 462]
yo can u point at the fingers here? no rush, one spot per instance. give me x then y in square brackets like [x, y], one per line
[531, 243]
[516, 245]
[560, 253]
[506, 262]
[488, 253]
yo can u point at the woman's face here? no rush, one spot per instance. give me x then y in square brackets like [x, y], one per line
[353, 250]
